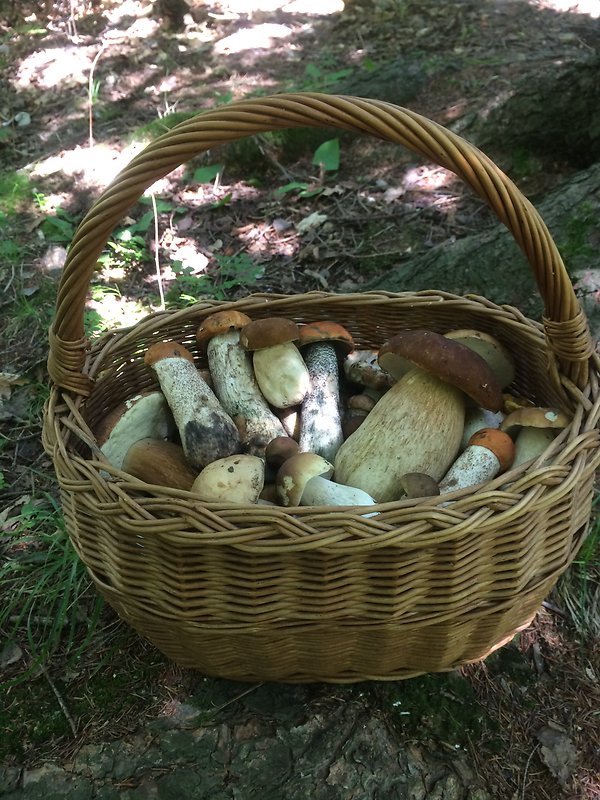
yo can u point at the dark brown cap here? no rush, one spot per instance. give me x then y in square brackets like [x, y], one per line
[448, 360]
[268, 332]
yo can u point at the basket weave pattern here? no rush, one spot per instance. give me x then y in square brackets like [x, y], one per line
[324, 593]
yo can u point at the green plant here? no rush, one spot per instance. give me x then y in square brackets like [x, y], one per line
[321, 78]
[47, 600]
[60, 227]
[14, 193]
[238, 271]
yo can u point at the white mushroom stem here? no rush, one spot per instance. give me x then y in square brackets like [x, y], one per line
[320, 417]
[207, 432]
[474, 465]
[531, 443]
[237, 389]
[415, 427]
[323, 492]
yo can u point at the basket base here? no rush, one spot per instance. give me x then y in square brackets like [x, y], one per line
[336, 653]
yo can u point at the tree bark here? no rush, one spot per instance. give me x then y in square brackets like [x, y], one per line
[492, 265]
[554, 114]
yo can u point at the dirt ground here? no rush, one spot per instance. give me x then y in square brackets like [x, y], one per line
[84, 87]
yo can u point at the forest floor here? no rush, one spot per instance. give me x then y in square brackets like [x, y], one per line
[82, 94]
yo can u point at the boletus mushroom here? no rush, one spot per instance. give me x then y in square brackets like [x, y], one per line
[160, 463]
[207, 432]
[234, 380]
[145, 415]
[321, 343]
[488, 452]
[533, 429]
[234, 479]
[417, 424]
[490, 349]
[279, 368]
[303, 480]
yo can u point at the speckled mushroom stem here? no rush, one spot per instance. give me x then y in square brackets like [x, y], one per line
[320, 417]
[240, 395]
[207, 432]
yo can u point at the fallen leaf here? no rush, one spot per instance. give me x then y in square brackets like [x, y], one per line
[10, 654]
[558, 752]
[314, 220]
[7, 381]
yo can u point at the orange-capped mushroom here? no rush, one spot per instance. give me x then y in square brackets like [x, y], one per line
[322, 343]
[489, 452]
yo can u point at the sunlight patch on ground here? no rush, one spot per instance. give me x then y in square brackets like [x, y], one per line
[258, 37]
[320, 7]
[112, 310]
[589, 7]
[95, 166]
[51, 67]
[427, 178]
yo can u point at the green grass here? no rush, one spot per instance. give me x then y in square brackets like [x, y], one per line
[48, 603]
[579, 589]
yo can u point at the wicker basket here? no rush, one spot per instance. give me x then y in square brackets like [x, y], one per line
[306, 594]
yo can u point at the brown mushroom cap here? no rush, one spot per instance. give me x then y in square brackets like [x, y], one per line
[159, 462]
[327, 331]
[419, 484]
[534, 417]
[157, 352]
[490, 349]
[294, 474]
[262, 333]
[220, 322]
[447, 360]
[279, 450]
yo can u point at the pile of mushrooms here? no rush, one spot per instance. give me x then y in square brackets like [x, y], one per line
[292, 414]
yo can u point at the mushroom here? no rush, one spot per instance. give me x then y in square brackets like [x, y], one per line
[533, 429]
[418, 484]
[303, 481]
[145, 415]
[234, 381]
[320, 416]
[207, 432]
[279, 368]
[234, 479]
[279, 450]
[488, 452]
[491, 350]
[362, 367]
[417, 425]
[159, 462]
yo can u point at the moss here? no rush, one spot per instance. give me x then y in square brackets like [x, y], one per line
[33, 721]
[443, 707]
[574, 241]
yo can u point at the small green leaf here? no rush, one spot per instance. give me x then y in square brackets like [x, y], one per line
[327, 155]
[289, 187]
[207, 174]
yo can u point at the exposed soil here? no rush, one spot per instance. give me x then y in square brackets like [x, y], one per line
[529, 716]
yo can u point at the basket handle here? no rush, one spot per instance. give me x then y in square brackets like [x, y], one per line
[565, 324]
